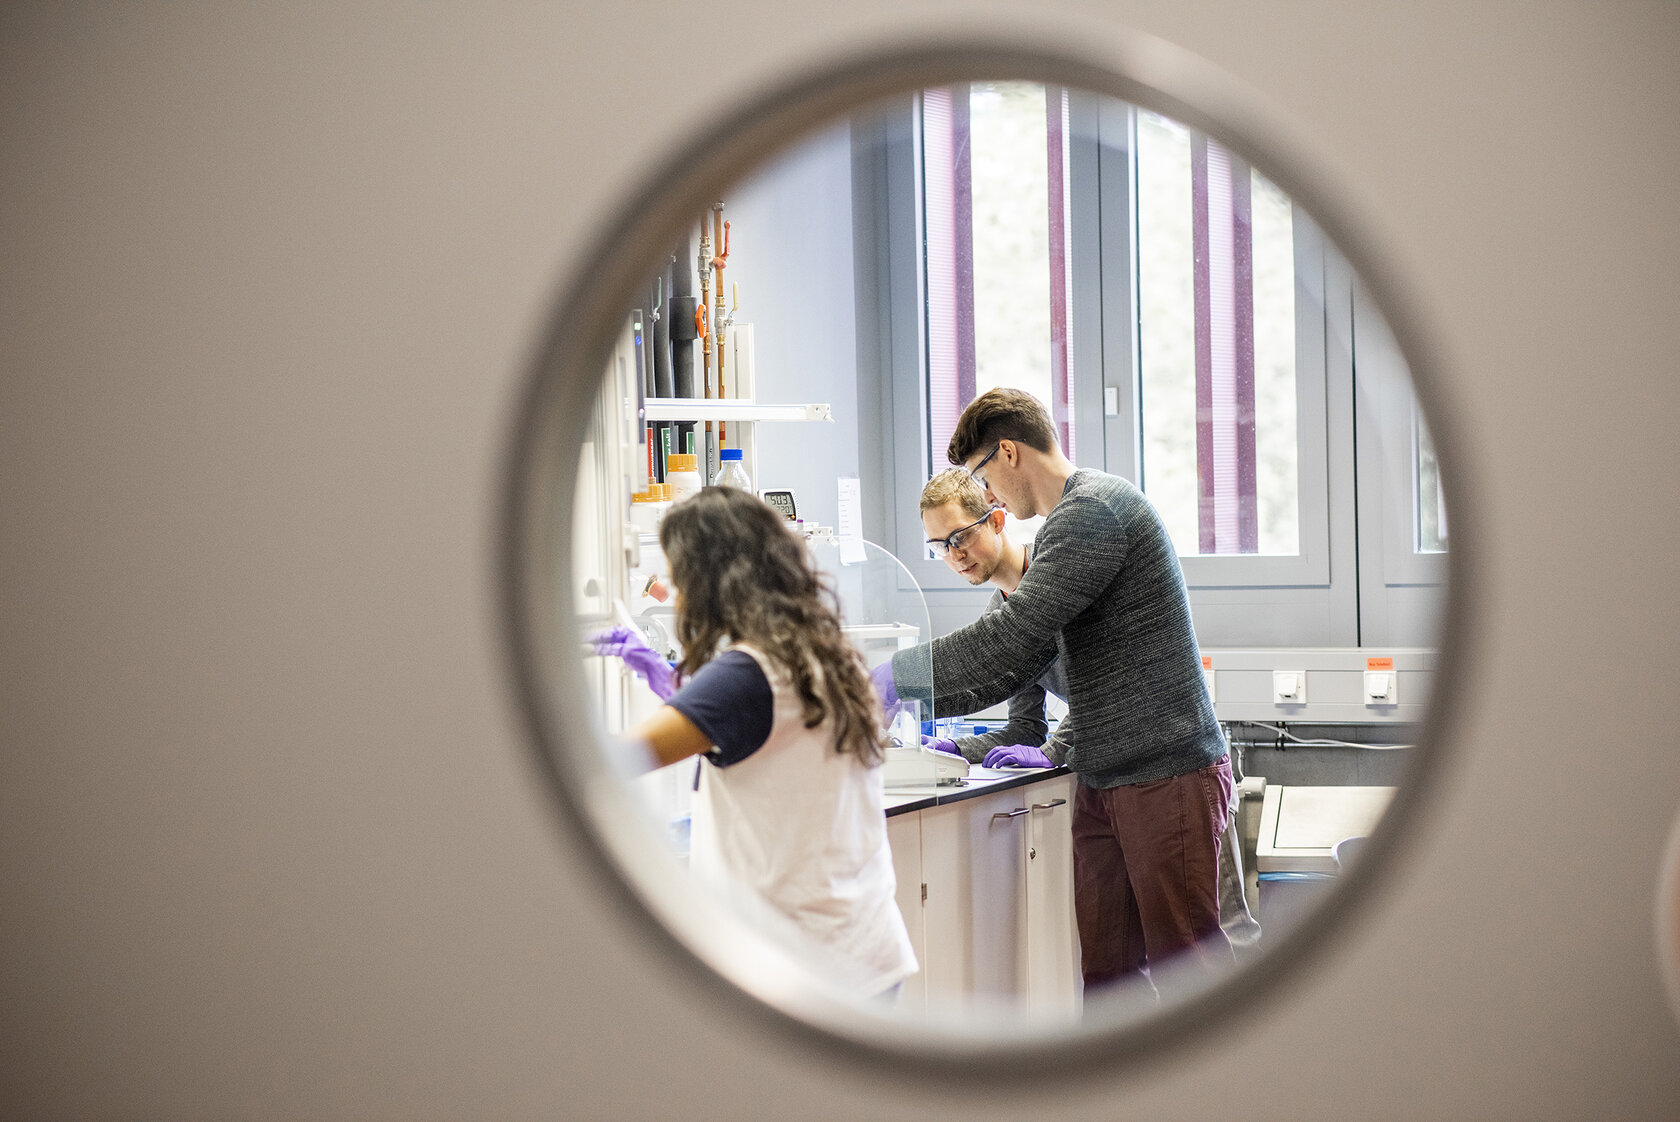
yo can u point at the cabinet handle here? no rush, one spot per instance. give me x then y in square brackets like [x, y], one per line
[1048, 805]
[1008, 813]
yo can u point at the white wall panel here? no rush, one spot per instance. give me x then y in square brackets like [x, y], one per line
[271, 839]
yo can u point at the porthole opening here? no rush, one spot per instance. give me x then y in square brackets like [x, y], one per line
[821, 289]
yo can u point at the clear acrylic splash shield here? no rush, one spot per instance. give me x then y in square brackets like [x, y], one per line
[883, 611]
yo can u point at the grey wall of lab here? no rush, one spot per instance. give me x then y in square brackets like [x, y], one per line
[272, 841]
[793, 261]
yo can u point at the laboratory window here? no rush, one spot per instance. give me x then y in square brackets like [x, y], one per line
[1216, 337]
[996, 254]
[1186, 324]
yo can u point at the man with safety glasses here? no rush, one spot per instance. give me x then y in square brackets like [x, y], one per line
[1104, 593]
[970, 536]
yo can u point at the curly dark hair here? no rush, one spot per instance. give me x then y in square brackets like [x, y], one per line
[741, 575]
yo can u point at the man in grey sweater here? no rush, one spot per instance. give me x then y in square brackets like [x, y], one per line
[1105, 594]
[970, 536]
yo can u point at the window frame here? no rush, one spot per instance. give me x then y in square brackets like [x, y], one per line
[1398, 583]
[1310, 598]
[1117, 233]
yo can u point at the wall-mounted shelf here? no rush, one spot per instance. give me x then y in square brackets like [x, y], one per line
[730, 409]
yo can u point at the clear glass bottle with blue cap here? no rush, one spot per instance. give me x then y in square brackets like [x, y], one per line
[732, 472]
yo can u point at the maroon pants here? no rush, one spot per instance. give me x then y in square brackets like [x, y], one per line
[1146, 872]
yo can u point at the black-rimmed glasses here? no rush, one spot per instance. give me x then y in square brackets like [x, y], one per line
[975, 472]
[955, 539]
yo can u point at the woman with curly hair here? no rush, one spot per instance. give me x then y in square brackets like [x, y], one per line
[779, 706]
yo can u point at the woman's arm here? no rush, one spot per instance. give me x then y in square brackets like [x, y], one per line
[725, 710]
[670, 736]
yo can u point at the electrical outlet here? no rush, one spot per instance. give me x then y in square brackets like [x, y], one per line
[1382, 687]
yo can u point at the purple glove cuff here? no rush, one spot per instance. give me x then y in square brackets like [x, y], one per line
[655, 671]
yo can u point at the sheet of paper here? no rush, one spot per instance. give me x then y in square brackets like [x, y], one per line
[850, 528]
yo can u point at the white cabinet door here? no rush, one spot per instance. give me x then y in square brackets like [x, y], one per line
[904, 835]
[986, 889]
[974, 864]
[1052, 943]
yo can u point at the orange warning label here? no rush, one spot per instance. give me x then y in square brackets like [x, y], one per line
[1207, 662]
[1379, 664]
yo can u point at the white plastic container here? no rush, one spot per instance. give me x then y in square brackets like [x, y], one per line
[644, 511]
[682, 475]
[733, 473]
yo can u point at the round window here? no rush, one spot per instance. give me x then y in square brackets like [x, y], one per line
[1047, 845]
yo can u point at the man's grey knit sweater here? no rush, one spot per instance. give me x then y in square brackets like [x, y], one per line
[1027, 723]
[1105, 592]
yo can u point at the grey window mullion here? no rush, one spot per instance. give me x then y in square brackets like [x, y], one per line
[1117, 292]
[1085, 301]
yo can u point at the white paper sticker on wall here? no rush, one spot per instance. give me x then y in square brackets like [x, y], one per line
[851, 521]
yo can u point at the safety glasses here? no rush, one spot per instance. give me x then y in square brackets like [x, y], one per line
[956, 538]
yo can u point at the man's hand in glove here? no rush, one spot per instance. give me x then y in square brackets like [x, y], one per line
[882, 679]
[1017, 755]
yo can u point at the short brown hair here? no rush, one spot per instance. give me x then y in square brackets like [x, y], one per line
[1001, 414]
[955, 485]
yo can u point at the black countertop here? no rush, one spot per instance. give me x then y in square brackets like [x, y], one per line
[904, 800]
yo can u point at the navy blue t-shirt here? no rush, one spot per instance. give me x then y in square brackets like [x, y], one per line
[729, 700]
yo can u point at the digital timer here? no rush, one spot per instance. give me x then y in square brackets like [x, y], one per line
[783, 502]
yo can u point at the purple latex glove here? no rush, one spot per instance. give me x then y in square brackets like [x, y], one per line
[1016, 755]
[627, 643]
[882, 679]
[941, 744]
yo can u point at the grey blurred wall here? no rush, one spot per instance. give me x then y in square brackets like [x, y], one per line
[271, 842]
[791, 255]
